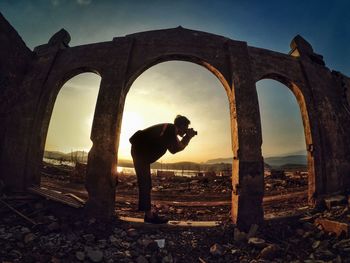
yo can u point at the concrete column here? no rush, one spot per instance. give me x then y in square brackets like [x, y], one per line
[248, 165]
[102, 160]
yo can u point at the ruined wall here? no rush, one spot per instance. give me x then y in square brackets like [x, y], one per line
[15, 60]
[36, 78]
[326, 96]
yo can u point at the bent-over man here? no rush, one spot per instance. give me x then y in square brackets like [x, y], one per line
[148, 146]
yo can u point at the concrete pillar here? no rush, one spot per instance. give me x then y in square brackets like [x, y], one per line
[248, 165]
[101, 175]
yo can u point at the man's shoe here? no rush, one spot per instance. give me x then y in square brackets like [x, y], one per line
[156, 219]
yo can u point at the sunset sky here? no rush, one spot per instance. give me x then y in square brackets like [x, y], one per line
[172, 88]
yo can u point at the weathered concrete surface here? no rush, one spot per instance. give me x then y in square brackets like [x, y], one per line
[34, 79]
[15, 60]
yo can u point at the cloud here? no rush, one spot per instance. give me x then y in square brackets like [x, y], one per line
[83, 2]
[55, 2]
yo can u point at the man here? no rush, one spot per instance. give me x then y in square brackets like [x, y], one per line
[148, 146]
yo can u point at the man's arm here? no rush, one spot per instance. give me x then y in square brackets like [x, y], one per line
[179, 145]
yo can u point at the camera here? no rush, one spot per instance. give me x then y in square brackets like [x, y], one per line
[192, 130]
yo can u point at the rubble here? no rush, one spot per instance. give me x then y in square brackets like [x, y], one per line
[216, 250]
[64, 234]
[269, 252]
[336, 227]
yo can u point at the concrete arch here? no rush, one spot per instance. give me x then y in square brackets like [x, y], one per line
[43, 116]
[314, 176]
[178, 57]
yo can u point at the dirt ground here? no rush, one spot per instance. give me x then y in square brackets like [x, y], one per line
[47, 231]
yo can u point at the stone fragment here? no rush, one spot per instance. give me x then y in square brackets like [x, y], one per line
[80, 255]
[160, 242]
[114, 241]
[89, 237]
[29, 238]
[300, 232]
[25, 230]
[144, 241]
[132, 232]
[141, 259]
[333, 226]
[239, 236]
[316, 244]
[252, 231]
[257, 242]
[152, 246]
[216, 250]
[270, 252]
[345, 243]
[95, 255]
[324, 254]
[53, 226]
[168, 259]
[334, 201]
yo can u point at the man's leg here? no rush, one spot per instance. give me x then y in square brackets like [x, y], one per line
[143, 174]
[144, 180]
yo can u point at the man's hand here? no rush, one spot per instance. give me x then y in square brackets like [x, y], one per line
[191, 133]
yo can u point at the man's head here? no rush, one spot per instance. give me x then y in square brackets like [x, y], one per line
[181, 123]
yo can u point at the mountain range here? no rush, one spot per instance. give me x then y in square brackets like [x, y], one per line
[273, 161]
[293, 160]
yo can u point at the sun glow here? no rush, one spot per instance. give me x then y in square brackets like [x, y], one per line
[132, 122]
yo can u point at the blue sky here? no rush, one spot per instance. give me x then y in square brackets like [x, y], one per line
[265, 24]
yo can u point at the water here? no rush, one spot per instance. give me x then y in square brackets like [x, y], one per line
[128, 170]
[131, 171]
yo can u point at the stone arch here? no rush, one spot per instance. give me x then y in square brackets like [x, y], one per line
[43, 116]
[191, 59]
[304, 108]
[178, 57]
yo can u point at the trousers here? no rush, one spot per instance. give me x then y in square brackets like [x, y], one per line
[144, 180]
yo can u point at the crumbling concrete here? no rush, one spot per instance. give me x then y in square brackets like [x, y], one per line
[31, 80]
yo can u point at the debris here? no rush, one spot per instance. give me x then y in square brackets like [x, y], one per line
[257, 242]
[29, 238]
[252, 231]
[141, 259]
[239, 236]
[80, 255]
[17, 212]
[216, 250]
[334, 201]
[333, 226]
[89, 237]
[160, 242]
[95, 255]
[55, 196]
[270, 252]
[168, 259]
[316, 244]
[132, 232]
[53, 226]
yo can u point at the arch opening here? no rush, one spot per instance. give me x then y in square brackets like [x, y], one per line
[68, 134]
[288, 163]
[184, 180]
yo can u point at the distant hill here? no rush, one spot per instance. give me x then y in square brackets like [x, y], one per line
[294, 167]
[283, 162]
[220, 160]
[292, 161]
[279, 161]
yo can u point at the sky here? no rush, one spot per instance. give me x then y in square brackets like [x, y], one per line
[194, 91]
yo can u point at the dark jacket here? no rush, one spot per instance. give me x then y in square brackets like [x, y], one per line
[153, 142]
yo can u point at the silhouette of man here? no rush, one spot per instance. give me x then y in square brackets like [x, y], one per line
[149, 145]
